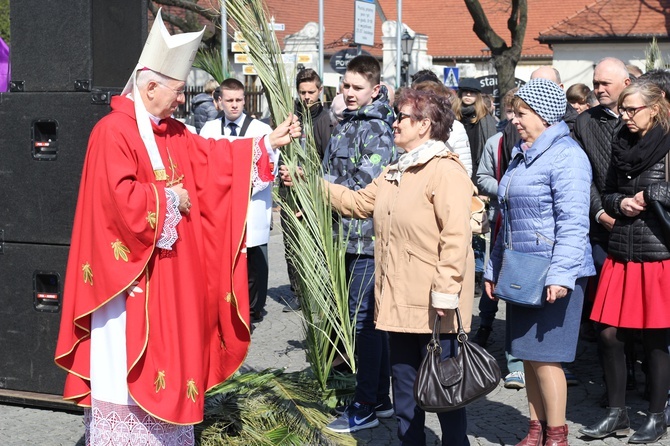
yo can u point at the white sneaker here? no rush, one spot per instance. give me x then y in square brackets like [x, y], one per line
[515, 380]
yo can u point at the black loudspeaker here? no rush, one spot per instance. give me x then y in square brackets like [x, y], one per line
[75, 45]
[30, 297]
[43, 141]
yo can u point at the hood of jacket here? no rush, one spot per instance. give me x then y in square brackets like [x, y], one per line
[201, 98]
[378, 109]
[542, 143]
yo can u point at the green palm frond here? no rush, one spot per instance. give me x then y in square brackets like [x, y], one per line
[211, 62]
[267, 408]
[317, 256]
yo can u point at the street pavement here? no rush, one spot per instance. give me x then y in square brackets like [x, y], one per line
[498, 419]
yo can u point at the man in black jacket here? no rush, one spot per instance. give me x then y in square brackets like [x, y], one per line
[594, 130]
[308, 84]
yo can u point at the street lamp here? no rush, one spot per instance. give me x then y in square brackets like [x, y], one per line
[407, 44]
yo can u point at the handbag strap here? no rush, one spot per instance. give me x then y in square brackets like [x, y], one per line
[434, 343]
[667, 167]
[507, 226]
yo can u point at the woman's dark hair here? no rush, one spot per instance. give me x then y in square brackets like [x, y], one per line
[430, 105]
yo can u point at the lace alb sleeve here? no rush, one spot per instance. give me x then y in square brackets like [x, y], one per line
[172, 218]
[257, 183]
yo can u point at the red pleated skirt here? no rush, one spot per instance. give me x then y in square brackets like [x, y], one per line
[633, 295]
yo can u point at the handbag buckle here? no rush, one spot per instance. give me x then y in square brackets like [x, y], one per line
[434, 347]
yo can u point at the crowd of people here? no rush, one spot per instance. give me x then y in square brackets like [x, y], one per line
[578, 178]
[573, 174]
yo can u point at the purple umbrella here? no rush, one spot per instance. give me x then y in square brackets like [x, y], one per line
[4, 66]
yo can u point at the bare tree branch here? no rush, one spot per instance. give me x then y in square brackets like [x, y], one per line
[517, 22]
[483, 28]
[505, 57]
[210, 14]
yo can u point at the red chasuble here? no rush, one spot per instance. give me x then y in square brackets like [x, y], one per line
[187, 309]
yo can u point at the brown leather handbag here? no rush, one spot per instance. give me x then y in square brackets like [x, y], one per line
[450, 384]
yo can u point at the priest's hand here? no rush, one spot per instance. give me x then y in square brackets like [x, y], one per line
[184, 200]
[286, 132]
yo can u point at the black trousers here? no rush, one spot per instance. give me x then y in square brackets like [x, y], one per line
[407, 352]
[257, 264]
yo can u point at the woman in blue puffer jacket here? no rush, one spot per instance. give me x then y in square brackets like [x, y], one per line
[547, 188]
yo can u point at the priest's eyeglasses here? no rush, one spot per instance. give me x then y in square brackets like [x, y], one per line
[630, 111]
[177, 92]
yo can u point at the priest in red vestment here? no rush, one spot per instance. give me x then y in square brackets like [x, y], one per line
[156, 307]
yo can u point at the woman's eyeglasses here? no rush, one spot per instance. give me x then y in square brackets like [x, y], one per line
[400, 116]
[630, 111]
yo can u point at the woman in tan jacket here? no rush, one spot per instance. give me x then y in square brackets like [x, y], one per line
[423, 256]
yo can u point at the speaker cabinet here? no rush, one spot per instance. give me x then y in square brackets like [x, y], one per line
[75, 45]
[30, 297]
[43, 141]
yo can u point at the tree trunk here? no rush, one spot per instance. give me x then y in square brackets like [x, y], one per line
[505, 65]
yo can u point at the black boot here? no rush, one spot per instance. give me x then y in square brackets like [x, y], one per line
[616, 422]
[653, 429]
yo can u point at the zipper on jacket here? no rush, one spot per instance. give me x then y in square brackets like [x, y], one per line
[629, 238]
[546, 239]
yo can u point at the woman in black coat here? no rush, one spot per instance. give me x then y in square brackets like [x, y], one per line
[632, 293]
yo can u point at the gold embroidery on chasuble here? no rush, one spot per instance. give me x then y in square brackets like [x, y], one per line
[160, 175]
[176, 176]
[151, 219]
[120, 250]
[191, 390]
[160, 381]
[87, 273]
[229, 297]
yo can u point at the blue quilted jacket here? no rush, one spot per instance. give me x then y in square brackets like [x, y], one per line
[548, 199]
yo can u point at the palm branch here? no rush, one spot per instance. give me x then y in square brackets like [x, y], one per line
[268, 408]
[211, 62]
[317, 255]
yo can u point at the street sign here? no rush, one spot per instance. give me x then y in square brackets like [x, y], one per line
[304, 58]
[277, 26]
[239, 47]
[339, 60]
[364, 23]
[451, 77]
[248, 70]
[242, 58]
[289, 57]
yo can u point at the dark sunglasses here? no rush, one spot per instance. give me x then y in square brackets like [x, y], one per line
[400, 116]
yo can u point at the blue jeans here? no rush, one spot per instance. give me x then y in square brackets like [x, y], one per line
[479, 247]
[407, 352]
[372, 350]
[487, 310]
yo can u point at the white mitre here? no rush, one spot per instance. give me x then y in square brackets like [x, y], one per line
[168, 55]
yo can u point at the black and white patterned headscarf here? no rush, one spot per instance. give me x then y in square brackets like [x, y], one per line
[545, 97]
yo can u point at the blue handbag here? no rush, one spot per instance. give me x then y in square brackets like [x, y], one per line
[522, 276]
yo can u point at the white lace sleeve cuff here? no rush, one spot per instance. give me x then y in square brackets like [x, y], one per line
[256, 181]
[172, 218]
